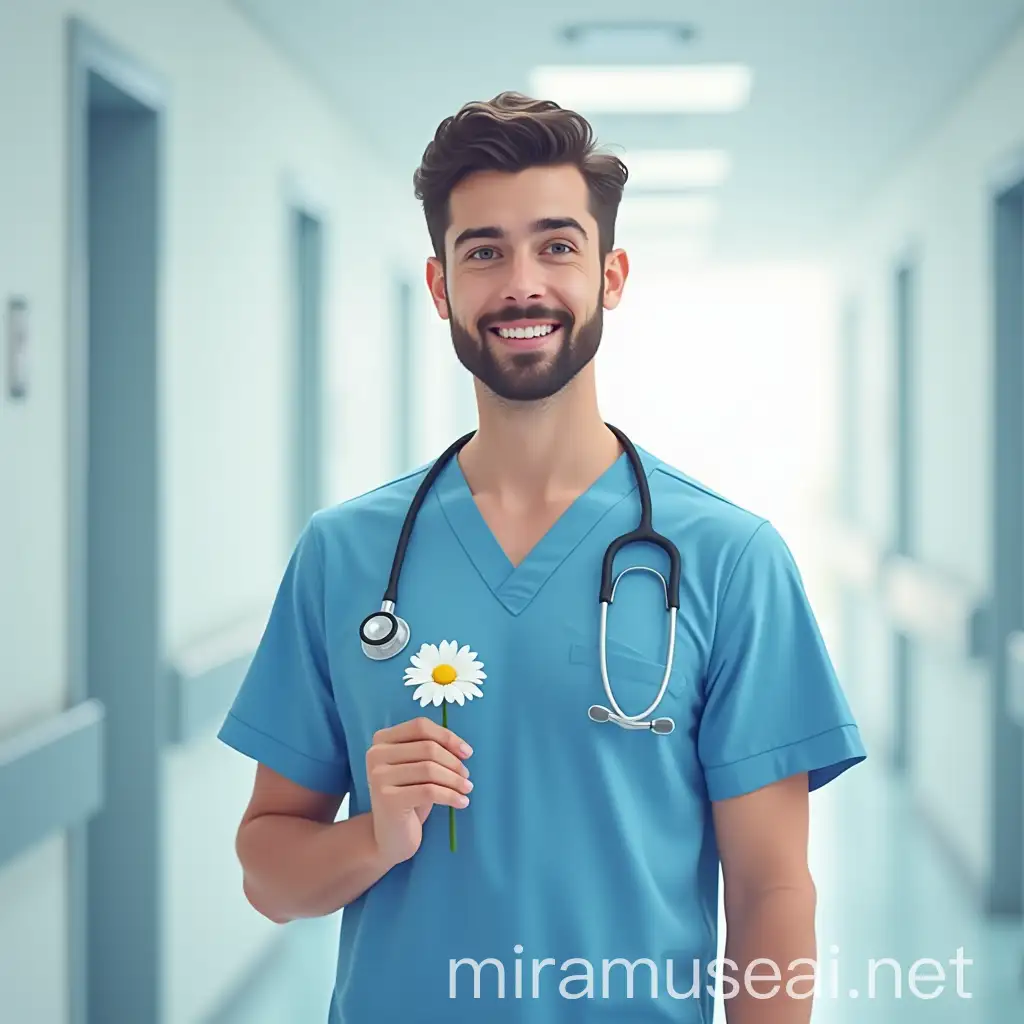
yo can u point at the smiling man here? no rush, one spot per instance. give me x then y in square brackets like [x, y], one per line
[516, 850]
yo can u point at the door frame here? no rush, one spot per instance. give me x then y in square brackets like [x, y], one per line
[905, 325]
[1005, 884]
[406, 404]
[306, 471]
[89, 53]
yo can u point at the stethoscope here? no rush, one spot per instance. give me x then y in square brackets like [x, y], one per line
[384, 634]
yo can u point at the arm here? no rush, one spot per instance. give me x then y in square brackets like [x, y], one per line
[297, 861]
[769, 903]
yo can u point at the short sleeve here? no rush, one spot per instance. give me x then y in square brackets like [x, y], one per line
[284, 714]
[773, 705]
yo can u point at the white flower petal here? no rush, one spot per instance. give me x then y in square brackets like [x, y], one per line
[472, 688]
[457, 695]
[421, 690]
[438, 696]
[425, 700]
[464, 689]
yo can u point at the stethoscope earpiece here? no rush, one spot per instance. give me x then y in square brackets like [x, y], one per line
[661, 726]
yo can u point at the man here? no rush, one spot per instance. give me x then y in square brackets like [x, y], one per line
[578, 881]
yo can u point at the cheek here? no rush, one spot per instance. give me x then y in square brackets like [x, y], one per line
[467, 300]
[582, 298]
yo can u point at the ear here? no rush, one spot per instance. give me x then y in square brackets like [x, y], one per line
[616, 270]
[436, 284]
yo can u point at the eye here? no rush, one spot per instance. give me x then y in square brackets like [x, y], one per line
[476, 252]
[567, 248]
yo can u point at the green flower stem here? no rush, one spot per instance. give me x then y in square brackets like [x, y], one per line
[451, 810]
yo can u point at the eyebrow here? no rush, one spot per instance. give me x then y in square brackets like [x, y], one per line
[544, 224]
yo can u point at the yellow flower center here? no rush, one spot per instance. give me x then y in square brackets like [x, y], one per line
[444, 674]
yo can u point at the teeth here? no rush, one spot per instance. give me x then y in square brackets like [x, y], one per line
[525, 332]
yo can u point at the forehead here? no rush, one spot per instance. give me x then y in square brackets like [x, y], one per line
[514, 200]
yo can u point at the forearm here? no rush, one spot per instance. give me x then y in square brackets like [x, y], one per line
[776, 926]
[296, 868]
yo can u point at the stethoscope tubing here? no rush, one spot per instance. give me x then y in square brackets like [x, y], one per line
[644, 533]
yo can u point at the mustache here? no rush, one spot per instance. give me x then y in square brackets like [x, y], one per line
[560, 316]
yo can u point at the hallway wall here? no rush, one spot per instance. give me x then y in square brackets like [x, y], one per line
[935, 207]
[241, 123]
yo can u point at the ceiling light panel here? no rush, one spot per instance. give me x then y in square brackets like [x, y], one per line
[677, 168]
[664, 212]
[683, 88]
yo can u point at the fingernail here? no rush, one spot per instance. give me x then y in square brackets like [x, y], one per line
[469, 785]
[465, 749]
[463, 801]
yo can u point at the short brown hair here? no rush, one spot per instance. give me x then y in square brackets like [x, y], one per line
[513, 132]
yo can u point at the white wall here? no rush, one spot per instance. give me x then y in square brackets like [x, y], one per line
[240, 121]
[937, 201]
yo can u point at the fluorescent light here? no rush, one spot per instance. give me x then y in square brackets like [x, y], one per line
[677, 168]
[667, 212]
[693, 88]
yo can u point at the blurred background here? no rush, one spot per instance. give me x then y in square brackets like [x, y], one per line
[215, 320]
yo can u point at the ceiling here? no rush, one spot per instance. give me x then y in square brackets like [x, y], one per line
[841, 88]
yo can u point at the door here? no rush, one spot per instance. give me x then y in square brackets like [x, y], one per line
[1007, 876]
[307, 234]
[406, 405]
[903, 491]
[115, 653]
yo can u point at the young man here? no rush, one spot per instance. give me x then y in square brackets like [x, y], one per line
[579, 880]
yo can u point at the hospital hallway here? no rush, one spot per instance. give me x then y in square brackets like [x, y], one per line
[884, 893]
[216, 323]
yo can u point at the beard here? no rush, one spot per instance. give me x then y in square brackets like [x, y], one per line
[528, 376]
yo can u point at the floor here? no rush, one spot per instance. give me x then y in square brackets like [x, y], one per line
[885, 891]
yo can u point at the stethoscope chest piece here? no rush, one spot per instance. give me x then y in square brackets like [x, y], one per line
[383, 634]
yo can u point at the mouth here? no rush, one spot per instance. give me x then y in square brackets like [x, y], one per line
[525, 334]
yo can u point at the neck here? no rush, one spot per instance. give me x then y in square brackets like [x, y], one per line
[539, 452]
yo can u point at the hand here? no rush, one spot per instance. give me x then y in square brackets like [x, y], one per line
[410, 767]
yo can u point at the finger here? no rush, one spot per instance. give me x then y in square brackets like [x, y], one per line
[423, 729]
[408, 797]
[390, 776]
[419, 750]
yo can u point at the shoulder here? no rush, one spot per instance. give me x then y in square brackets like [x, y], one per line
[380, 510]
[686, 507]
[727, 544]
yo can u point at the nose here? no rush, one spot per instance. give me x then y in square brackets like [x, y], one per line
[525, 282]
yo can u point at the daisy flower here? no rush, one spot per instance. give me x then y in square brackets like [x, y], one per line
[445, 674]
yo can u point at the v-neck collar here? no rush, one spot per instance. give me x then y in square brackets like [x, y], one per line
[515, 586]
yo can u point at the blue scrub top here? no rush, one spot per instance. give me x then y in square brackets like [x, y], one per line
[587, 852]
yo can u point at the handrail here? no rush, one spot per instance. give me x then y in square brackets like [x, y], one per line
[205, 676]
[51, 777]
[855, 555]
[926, 603]
[1015, 676]
[933, 605]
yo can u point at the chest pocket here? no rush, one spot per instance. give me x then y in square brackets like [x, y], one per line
[634, 678]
